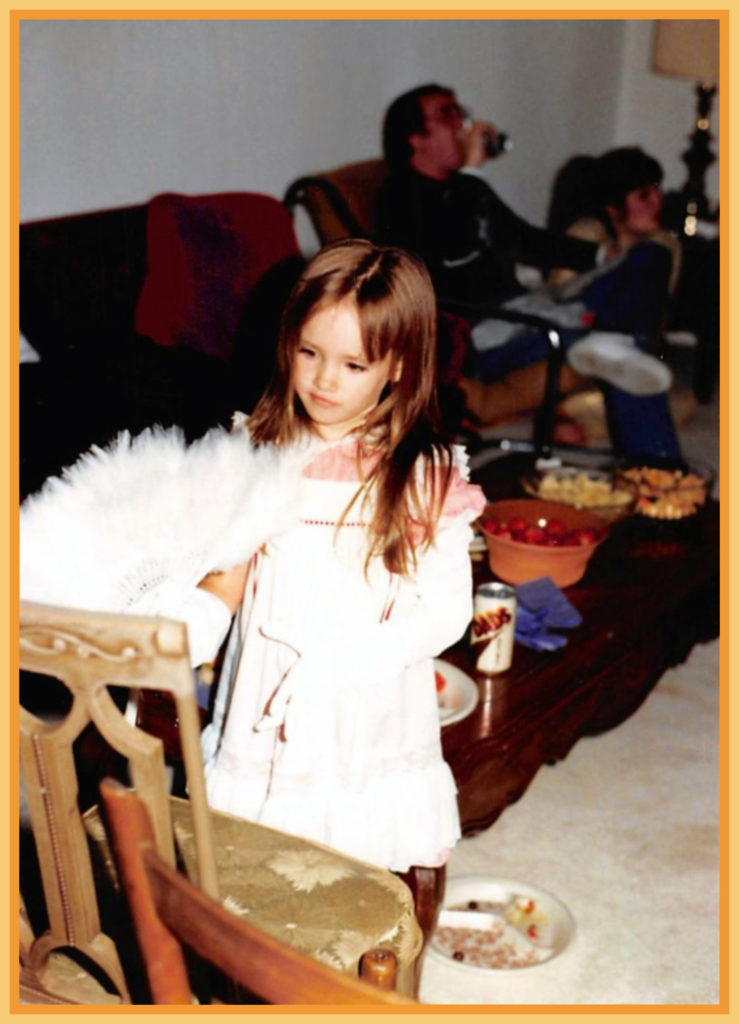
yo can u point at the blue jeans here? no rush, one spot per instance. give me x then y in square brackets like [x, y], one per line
[630, 299]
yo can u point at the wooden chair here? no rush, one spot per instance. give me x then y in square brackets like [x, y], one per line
[340, 907]
[168, 912]
[340, 202]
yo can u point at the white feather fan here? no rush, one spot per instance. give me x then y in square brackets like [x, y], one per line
[152, 514]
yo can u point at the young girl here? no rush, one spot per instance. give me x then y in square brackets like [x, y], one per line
[325, 722]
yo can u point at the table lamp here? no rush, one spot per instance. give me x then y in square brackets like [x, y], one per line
[690, 49]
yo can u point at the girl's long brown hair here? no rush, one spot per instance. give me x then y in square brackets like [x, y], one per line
[396, 307]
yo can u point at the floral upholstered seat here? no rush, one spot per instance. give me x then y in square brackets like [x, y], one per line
[319, 901]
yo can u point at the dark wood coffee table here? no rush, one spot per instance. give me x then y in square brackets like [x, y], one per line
[647, 598]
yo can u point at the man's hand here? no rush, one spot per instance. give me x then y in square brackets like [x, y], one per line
[474, 142]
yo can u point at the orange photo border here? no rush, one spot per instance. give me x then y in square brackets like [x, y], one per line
[10, 457]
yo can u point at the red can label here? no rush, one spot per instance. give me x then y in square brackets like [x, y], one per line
[493, 627]
[489, 622]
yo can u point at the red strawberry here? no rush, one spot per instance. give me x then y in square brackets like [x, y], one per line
[518, 524]
[585, 536]
[440, 681]
[555, 528]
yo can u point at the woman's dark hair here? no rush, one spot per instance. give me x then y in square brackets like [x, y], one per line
[403, 118]
[574, 194]
[624, 169]
[586, 185]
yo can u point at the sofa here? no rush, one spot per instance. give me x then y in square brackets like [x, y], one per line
[164, 312]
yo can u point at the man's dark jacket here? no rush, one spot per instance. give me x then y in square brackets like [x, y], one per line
[468, 237]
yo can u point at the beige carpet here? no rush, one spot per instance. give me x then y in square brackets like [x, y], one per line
[624, 832]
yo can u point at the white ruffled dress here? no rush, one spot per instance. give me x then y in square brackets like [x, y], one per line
[326, 722]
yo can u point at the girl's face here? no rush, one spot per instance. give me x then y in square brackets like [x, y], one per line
[331, 374]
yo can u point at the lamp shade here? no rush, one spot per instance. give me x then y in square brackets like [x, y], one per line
[687, 48]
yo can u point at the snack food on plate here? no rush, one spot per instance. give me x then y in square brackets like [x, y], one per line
[667, 493]
[495, 935]
[583, 489]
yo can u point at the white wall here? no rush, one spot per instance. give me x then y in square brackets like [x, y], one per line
[658, 112]
[113, 112]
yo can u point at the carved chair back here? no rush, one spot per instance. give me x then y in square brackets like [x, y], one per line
[89, 653]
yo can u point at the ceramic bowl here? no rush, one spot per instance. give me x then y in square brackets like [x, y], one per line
[520, 560]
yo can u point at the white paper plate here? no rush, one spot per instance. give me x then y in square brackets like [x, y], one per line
[511, 926]
[459, 696]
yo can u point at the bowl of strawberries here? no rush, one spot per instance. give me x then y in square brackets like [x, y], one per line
[528, 538]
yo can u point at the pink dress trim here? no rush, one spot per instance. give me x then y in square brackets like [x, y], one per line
[340, 463]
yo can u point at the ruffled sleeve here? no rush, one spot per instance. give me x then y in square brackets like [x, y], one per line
[462, 498]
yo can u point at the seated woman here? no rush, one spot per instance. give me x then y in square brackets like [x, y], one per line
[614, 200]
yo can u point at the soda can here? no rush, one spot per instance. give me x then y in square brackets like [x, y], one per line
[496, 144]
[493, 626]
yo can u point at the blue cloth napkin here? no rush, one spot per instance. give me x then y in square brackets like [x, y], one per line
[541, 607]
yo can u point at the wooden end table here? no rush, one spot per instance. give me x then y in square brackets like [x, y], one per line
[647, 598]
